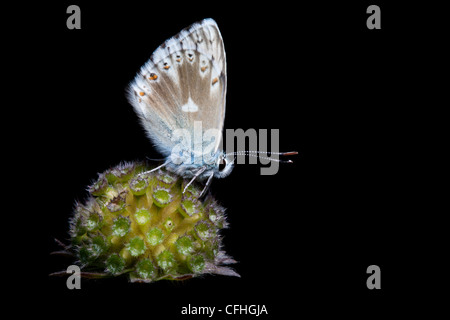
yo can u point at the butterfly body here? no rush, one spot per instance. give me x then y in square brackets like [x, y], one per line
[179, 96]
[217, 165]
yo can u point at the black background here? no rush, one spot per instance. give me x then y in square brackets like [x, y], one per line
[341, 95]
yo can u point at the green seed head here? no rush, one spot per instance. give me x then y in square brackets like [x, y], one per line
[140, 223]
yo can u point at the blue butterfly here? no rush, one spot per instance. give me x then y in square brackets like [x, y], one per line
[179, 96]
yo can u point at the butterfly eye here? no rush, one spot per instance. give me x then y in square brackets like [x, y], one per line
[222, 165]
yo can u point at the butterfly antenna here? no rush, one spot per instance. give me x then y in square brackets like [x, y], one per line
[256, 154]
[270, 159]
[152, 159]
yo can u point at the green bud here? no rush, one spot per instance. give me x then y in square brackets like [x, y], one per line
[138, 185]
[155, 236]
[169, 225]
[136, 246]
[217, 216]
[211, 249]
[93, 222]
[184, 245]
[145, 269]
[96, 247]
[192, 189]
[188, 206]
[85, 255]
[166, 261]
[142, 216]
[121, 226]
[168, 179]
[162, 195]
[78, 228]
[115, 264]
[124, 171]
[204, 230]
[99, 187]
[116, 205]
[196, 263]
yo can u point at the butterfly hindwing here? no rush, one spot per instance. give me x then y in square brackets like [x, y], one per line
[183, 82]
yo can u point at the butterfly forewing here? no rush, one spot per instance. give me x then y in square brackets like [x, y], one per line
[184, 82]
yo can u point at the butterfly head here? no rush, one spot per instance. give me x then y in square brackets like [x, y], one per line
[224, 165]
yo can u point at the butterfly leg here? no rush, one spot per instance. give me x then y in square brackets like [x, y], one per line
[154, 169]
[208, 182]
[199, 172]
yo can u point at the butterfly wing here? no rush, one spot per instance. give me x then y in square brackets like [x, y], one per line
[183, 82]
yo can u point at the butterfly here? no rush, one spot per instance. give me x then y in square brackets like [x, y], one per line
[179, 96]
